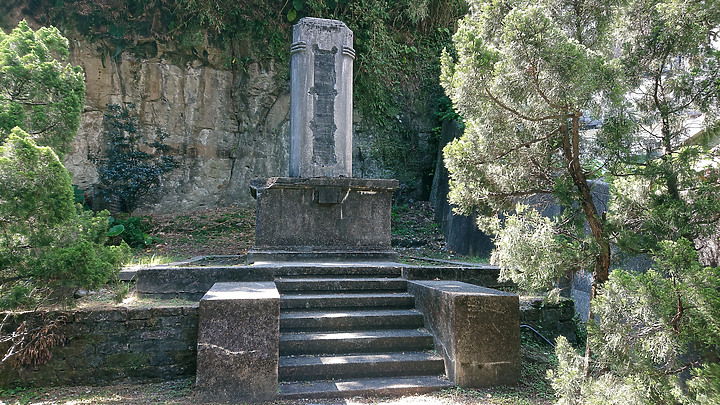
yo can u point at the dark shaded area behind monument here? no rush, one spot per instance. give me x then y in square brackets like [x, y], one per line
[462, 235]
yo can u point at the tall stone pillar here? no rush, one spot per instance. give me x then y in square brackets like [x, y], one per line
[321, 81]
[321, 213]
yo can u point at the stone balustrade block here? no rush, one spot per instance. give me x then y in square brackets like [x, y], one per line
[238, 337]
[476, 329]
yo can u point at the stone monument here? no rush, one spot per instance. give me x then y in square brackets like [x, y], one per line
[321, 212]
[321, 99]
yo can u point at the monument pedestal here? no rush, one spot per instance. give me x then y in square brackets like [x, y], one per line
[326, 219]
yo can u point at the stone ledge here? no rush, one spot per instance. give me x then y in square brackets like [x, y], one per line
[314, 255]
[476, 329]
[482, 275]
[345, 183]
[193, 282]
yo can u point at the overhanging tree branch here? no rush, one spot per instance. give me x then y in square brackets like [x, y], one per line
[521, 115]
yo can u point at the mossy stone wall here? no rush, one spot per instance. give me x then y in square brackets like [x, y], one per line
[153, 344]
[111, 345]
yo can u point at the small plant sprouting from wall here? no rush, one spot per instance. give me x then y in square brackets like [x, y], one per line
[131, 168]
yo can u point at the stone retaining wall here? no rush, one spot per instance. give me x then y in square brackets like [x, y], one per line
[111, 345]
[146, 344]
[551, 320]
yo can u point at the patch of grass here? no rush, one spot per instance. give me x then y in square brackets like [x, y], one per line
[110, 297]
[220, 231]
[142, 260]
[121, 291]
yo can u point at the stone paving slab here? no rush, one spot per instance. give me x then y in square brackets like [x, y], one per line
[366, 387]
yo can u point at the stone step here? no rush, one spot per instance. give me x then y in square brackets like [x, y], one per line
[376, 341]
[307, 368]
[340, 284]
[350, 320]
[398, 300]
[336, 270]
[390, 386]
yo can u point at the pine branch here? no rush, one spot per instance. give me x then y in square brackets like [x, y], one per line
[525, 193]
[527, 144]
[535, 75]
[521, 115]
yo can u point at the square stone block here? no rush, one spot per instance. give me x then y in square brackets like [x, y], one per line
[322, 215]
[238, 338]
[476, 329]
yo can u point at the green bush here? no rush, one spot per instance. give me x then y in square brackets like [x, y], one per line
[49, 246]
[46, 241]
[136, 230]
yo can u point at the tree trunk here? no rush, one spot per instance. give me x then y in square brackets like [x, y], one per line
[571, 152]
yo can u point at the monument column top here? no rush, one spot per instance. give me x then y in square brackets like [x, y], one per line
[321, 69]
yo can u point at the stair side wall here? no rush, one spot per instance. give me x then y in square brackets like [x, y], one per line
[238, 342]
[476, 329]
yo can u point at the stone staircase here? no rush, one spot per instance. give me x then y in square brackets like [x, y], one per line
[346, 331]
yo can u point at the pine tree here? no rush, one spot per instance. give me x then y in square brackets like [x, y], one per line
[524, 75]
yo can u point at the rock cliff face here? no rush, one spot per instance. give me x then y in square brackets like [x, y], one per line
[226, 127]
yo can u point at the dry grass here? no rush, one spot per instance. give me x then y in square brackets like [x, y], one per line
[220, 231]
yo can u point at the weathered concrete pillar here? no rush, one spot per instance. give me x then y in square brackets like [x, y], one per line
[320, 213]
[476, 329]
[238, 340]
[321, 81]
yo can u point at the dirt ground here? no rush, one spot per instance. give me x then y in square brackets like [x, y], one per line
[179, 392]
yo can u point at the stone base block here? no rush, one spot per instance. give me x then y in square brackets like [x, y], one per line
[193, 282]
[321, 256]
[238, 339]
[317, 216]
[476, 329]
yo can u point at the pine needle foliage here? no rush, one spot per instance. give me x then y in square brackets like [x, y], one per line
[39, 91]
[49, 247]
[523, 76]
[656, 338]
[46, 243]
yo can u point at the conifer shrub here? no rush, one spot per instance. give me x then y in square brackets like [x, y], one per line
[46, 241]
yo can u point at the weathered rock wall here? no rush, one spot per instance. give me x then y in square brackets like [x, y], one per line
[225, 127]
[224, 105]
